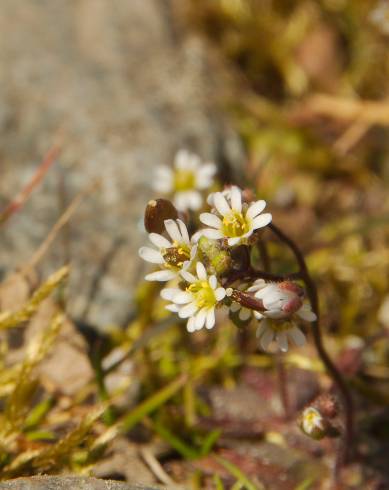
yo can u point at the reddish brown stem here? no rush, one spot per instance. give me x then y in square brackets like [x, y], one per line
[337, 377]
[283, 385]
[247, 300]
[250, 274]
[38, 176]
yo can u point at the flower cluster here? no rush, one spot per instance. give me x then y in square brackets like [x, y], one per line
[206, 271]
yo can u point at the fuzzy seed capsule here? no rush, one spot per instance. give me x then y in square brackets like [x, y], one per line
[157, 211]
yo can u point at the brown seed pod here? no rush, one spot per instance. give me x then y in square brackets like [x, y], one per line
[157, 211]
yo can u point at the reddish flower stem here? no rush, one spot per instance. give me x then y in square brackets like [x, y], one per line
[25, 193]
[346, 450]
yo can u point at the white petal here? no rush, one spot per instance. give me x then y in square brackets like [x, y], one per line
[255, 209]
[271, 302]
[194, 162]
[183, 231]
[151, 255]
[236, 199]
[164, 180]
[181, 201]
[163, 187]
[249, 233]
[188, 310]
[258, 315]
[258, 284]
[221, 204]
[244, 314]
[169, 293]
[190, 326]
[207, 170]
[200, 318]
[188, 276]
[234, 241]
[210, 322]
[204, 176]
[210, 219]
[201, 272]
[182, 159]
[194, 200]
[172, 308]
[261, 221]
[182, 298]
[163, 172]
[165, 275]
[213, 282]
[196, 237]
[172, 228]
[267, 338]
[193, 252]
[212, 234]
[235, 307]
[220, 293]
[306, 314]
[261, 329]
[276, 314]
[159, 240]
[266, 291]
[282, 341]
[297, 336]
[211, 199]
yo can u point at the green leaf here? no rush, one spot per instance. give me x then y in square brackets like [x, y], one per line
[238, 474]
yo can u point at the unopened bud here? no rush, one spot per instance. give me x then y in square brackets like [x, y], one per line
[313, 424]
[219, 259]
[157, 211]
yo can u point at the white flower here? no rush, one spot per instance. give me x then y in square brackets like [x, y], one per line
[198, 301]
[226, 193]
[188, 176]
[281, 301]
[173, 255]
[237, 221]
[312, 418]
[269, 330]
[312, 423]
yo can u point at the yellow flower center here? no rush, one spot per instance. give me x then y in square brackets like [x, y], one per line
[176, 256]
[184, 180]
[312, 419]
[203, 293]
[235, 224]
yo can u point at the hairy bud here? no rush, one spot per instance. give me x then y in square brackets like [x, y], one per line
[157, 211]
[219, 259]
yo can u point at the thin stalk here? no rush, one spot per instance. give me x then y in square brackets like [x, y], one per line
[333, 371]
[251, 274]
[281, 371]
[283, 385]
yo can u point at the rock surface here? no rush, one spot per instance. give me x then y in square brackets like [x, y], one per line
[126, 84]
[68, 483]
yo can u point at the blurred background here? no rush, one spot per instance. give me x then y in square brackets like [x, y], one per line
[289, 96]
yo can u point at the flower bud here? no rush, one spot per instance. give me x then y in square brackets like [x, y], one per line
[157, 211]
[219, 259]
[313, 424]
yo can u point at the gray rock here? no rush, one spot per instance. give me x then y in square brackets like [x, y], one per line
[126, 85]
[69, 483]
